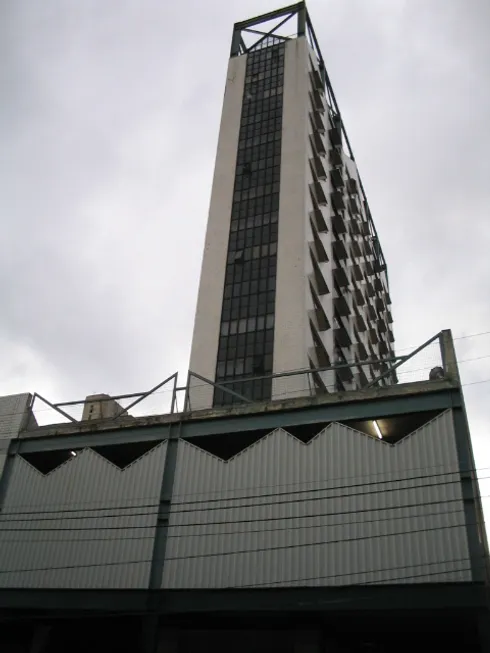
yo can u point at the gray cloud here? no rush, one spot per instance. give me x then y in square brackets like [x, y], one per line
[109, 126]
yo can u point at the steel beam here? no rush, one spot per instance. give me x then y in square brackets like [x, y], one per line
[271, 15]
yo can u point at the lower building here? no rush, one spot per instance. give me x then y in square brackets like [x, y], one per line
[346, 522]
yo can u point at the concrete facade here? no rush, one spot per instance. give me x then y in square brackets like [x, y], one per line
[208, 311]
[332, 303]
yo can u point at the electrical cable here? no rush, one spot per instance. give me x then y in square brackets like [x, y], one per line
[227, 522]
[222, 554]
[36, 541]
[261, 505]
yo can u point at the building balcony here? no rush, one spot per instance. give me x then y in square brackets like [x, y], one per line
[370, 289]
[320, 350]
[365, 230]
[335, 135]
[338, 223]
[318, 100]
[360, 323]
[316, 119]
[380, 305]
[318, 220]
[340, 277]
[321, 252]
[382, 326]
[353, 205]
[316, 80]
[346, 374]
[383, 348]
[352, 188]
[337, 178]
[359, 297]
[317, 166]
[320, 315]
[354, 247]
[362, 351]
[319, 192]
[319, 279]
[336, 158]
[368, 267]
[378, 285]
[362, 379]
[371, 313]
[341, 306]
[339, 250]
[342, 337]
[357, 273]
[373, 336]
[337, 198]
[318, 142]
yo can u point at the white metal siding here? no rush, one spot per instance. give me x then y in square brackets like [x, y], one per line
[431, 547]
[109, 548]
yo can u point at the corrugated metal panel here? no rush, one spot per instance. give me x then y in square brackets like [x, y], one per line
[103, 544]
[12, 411]
[353, 534]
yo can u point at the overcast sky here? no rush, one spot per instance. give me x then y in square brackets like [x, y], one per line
[109, 122]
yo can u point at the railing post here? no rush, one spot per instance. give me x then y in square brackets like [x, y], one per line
[448, 355]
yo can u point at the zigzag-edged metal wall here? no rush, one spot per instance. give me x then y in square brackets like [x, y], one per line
[346, 508]
[344, 525]
[87, 524]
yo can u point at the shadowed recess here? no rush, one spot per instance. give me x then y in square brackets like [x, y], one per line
[46, 461]
[122, 455]
[393, 428]
[227, 445]
[306, 432]
[119, 455]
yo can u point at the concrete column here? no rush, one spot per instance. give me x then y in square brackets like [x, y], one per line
[291, 319]
[204, 350]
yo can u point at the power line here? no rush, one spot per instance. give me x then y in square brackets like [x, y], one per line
[260, 505]
[226, 521]
[222, 554]
[366, 571]
[243, 532]
[243, 489]
[195, 502]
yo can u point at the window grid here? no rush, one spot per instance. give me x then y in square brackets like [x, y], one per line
[246, 337]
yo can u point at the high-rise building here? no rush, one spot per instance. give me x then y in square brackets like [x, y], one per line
[293, 276]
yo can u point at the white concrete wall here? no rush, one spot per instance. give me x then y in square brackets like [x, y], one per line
[13, 413]
[208, 312]
[291, 322]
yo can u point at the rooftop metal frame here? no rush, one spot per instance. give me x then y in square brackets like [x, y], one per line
[447, 357]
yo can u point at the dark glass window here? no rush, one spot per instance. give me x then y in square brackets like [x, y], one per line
[247, 320]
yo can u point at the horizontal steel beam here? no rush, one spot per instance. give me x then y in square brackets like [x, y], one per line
[271, 15]
[254, 416]
[373, 599]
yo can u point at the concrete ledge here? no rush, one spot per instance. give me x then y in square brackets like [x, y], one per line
[400, 391]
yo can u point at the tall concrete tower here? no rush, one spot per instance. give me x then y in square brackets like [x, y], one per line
[293, 276]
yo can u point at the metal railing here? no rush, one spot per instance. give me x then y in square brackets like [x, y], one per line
[434, 359]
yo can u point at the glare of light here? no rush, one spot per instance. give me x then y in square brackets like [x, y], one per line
[378, 430]
[73, 453]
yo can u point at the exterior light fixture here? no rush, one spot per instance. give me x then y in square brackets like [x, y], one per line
[377, 429]
[73, 453]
